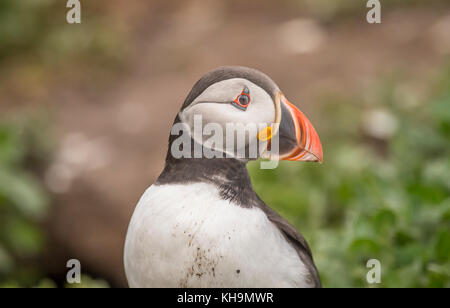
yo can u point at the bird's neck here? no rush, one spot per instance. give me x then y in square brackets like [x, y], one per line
[224, 170]
[229, 175]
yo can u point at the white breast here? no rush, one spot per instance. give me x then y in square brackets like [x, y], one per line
[186, 236]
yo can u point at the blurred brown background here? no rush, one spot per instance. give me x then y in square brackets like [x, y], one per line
[112, 85]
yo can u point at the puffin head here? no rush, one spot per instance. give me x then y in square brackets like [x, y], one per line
[234, 99]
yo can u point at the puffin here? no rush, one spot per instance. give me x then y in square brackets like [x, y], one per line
[201, 224]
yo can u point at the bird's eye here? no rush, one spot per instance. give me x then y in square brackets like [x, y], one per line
[243, 100]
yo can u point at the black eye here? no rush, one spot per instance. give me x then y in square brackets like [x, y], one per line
[243, 99]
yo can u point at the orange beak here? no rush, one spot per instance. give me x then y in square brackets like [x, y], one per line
[299, 140]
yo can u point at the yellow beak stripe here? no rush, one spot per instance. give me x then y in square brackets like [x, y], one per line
[265, 134]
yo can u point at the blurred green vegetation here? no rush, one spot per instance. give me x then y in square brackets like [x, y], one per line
[23, 201]
[24, 204]
[36, 44]
[38, 47]
[38, 29]
[374, 198]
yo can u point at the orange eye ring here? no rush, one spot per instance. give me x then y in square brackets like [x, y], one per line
[243, 99]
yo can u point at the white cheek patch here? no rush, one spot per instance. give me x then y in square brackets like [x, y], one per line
[213, 110]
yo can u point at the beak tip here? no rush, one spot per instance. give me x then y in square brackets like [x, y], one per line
[320, 156]
[316, 145]
[320, 160]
